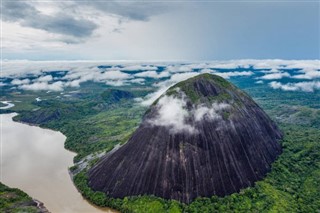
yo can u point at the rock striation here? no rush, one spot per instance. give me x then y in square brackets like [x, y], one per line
[203, 137]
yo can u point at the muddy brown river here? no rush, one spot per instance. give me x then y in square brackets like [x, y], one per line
[34, 160]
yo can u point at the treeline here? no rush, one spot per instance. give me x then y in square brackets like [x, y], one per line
[15, 200]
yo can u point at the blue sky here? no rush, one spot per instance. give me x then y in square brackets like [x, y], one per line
[168, 30]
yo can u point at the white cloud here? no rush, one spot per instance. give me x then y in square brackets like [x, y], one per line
[56, 86]
[109, 77]
[273, 64]
[259, 82]
[116, 83]
[232, 74]
[280, 64]
[307, 86]
[302, 64]
[113, 75]
[45, 78]
[308, 74]
[232, 64]
[172, 113]
[175, 78]
[180, 68]
[273, 70]
[212, 113]
[206, 70]
[153, 74]
[138, 67]
[138, 80]
[82, 71]
[164, 85]
[150, 98]
[273, 76]
[20, 82]
[74, 83]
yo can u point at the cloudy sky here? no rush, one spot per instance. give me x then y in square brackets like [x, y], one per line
[160, 30]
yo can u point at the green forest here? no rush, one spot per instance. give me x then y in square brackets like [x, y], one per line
[14, 201]
[293, 185]
[98, 118]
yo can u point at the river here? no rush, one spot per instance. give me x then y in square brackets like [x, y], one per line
[34, 160]
[8, 105]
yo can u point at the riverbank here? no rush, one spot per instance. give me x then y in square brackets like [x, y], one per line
[7, 104]
[15, 200]
[47, 179]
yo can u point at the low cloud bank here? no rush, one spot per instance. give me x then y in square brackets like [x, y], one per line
[56, 86]
[153, 74]
[20, 82]
[119, 73]
[227, 75]
[45, 78]
[308, 74]
[273, 76]
[306, 86]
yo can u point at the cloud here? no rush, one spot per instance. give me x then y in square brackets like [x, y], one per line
[266, 64]
[307, 86]
[74, 83]
[273, 76]
[113, 75]
[232, 64]
[61, 23]
[172, 113]
[308, 74]
[211, 113]
[138, 80]
[175, 78]
[116, 83]
[151, 97]
[83, 74]
[110, 77]
[56, 86]
[78, 72]
[45, 78]
[164, 85]
[153, 74]
[180, 68]
[259, 82]
[20, 82]
[129, 10]
[15, 11]
[268, 71]
[137, 67]
[232, 74]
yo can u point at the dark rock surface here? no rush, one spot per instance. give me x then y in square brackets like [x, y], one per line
[223, 156]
